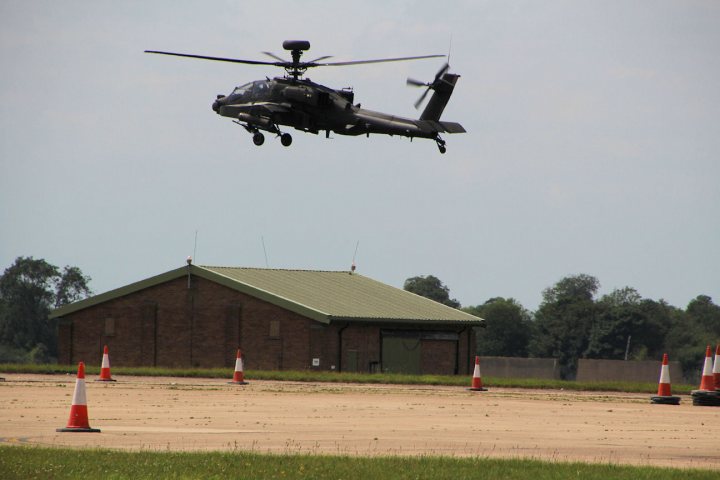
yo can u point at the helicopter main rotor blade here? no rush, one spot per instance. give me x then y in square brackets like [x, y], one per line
[219, 59]
[379, 60]
[320, 58]
[270, 54]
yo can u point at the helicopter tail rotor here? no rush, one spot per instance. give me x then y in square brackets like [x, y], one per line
[437, 81]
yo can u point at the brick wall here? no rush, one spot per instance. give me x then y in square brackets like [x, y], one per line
[363, 339]
[438, 357]
[171, 325]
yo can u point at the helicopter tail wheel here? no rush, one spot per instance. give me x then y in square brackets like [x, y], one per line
[441, 145]
[258, 139]
[286, 139]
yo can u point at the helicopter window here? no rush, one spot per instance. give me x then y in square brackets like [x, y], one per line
[243, 89]
[260, 86]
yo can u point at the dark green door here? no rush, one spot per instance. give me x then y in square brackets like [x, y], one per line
[401, 353]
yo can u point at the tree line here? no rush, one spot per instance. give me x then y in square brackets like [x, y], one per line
[572, 322]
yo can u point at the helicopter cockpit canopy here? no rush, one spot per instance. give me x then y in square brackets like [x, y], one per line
[243, 89]
[256, 87]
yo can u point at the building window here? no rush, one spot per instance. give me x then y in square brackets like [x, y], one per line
[274, 329]
[109, 327]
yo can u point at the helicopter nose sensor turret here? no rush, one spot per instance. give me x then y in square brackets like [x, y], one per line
[218, 102]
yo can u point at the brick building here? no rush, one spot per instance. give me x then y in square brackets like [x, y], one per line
[197, 316]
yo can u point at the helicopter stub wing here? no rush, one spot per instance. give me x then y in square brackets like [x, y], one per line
[260, 109]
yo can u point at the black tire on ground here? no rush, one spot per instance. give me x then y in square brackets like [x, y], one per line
[663, 400]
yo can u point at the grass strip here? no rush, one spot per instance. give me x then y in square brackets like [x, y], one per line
[23, 462]
[348, 377]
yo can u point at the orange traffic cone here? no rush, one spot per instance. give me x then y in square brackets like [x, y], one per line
[707, 395]
[476, 384]
[716, 367]
[105, 368]
[238, 377]
[664, 394]
[708, 380]
[78, 421]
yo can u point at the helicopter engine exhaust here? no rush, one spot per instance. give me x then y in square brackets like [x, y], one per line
[261, 122]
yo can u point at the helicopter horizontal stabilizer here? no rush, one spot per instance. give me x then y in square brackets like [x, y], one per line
[443, 127]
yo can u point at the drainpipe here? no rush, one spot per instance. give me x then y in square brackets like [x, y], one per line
[192, 308]
[457, 350]
[339, 359]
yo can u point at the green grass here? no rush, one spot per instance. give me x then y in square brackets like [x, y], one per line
[344, 377]
[21, 462]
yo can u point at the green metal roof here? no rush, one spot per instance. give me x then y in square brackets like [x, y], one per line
[324, 296]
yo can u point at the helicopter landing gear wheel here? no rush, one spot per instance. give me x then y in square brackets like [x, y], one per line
[258, 139]
[286, 139]
[441, 145]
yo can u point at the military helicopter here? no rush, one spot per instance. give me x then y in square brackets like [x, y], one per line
[307, 106]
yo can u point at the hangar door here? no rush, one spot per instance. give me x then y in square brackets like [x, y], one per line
[410, 351]
[401, 352]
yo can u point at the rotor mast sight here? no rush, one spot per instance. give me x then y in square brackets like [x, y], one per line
[296, 48]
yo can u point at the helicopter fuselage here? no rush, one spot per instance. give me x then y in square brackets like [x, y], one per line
[311, 107]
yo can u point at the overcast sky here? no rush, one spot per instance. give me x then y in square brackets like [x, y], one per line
[593, 144]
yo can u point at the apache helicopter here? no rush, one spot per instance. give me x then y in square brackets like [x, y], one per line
[310, 107]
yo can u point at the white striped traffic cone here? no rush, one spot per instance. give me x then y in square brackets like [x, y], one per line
[238, 376]
[105, 368]
[707, 383]
[707, 395]
[664, 395]
[78, 421]
[477, 385]
[716, 367]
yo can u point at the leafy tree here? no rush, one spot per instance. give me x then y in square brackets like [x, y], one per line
[508, 328]
[431, 287]
[691, 331]
[660, 318]
[71, 287]
[29, 289]
[564, 320]
[706, 315]
[623, 316]
[26, 289]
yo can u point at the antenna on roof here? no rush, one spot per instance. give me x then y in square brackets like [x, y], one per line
[195, 247]
[353, 267]
[262, 239]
